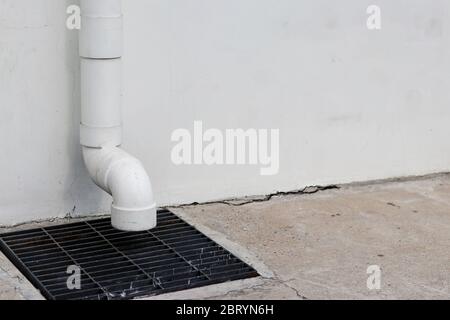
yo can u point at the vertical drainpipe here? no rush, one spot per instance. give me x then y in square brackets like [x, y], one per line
[112, 169]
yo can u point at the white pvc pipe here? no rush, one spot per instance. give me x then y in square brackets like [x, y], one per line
[101, 120]
[124, 177]
[112, 169]
[101, 32]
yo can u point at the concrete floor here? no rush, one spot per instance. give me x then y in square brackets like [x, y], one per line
[319, 245]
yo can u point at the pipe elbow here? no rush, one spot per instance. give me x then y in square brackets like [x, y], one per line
[125, 179]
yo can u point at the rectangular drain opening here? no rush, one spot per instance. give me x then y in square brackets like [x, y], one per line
[120, 265]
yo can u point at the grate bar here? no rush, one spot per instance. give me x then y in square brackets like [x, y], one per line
[117, 265]
[181, 256]
[65, 252]
[121, 253]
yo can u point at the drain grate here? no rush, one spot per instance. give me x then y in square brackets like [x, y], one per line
[120, 265]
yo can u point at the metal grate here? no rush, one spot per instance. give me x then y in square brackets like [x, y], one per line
[121, 265]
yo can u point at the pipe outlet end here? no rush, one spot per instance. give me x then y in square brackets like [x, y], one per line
[133, 220]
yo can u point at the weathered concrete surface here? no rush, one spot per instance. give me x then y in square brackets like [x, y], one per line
[13, 285]
[318, 246]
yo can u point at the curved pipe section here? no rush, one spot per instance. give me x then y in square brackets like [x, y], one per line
[125, 179]
[112, 169]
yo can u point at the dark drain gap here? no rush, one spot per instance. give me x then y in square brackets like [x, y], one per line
[121, 265]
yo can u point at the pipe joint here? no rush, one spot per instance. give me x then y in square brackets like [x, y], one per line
[125, 179]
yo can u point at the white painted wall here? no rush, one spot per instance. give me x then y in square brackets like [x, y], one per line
[351, 104]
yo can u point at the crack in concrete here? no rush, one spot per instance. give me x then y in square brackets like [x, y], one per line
[267, 281]
[241, 202]
[241, 290]
[286, 284]
[41, 223]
